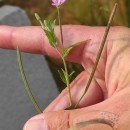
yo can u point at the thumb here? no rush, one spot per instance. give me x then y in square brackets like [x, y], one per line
[67, 120]
[49, 121]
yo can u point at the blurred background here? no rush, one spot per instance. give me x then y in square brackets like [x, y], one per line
[84, 12]
[13, 97]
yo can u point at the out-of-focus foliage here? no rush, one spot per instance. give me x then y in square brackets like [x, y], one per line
[84, 12]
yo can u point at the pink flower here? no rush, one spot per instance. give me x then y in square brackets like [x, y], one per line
[57, 2]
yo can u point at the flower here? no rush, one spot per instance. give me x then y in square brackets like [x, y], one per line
[57, 2]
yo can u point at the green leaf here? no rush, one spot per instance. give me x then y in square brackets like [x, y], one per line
[68, 49]
[70, 108]
[49, 31]
[63, 76]
[51, 38]
[53, 23]
[37, 17]
[40, 21]
[70, 75]
[48, 28]
[78, 43]
[50, 25]
[45, 22]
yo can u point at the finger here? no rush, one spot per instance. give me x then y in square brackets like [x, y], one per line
[60, 120]
[93, 96]
[33, 40]
[48, 121]
[110, 113]
[63, 120]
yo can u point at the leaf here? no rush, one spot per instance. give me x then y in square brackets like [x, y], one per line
[45, 23]
[37, 17]
[48, 28]
[53, 25]
[70, 75]
[70, 108]
[49, 31]
[51, 38]
[78, 43]
[62, 76]
[65, 74]
[68, 49]
[40, 21]
[50, 25]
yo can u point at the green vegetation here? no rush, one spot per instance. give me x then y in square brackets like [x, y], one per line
[85, 12]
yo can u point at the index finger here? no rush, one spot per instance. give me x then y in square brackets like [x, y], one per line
[33, 40]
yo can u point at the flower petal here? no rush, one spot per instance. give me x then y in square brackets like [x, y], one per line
[57, 2]
[53, 4]
[54, 1]
[62, 1]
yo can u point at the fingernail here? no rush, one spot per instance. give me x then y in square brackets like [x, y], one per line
[36, 124]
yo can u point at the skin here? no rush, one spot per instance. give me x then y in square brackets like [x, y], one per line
[110, 88]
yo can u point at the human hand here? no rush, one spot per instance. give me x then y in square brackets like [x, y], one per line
[109, 91]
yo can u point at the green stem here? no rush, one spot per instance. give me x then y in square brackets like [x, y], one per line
[61, 34]
[63, 58]
[99, 53]
[26, 83]
[68, 83]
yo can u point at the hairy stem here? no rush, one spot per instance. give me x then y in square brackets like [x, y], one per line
[63, 58]
[61, 34]
[66, 70]
[26, 83]
[99, 53]
[68, 83]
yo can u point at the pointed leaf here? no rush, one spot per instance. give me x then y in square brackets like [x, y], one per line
[53, 24]
[50, 25]
[62, 76]
[67, 51]
[49, 31]
[70, 75]
[78, 43]
[40, 21]
[37, 16]
[65, 74]
[51, 38]
[45, 22]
